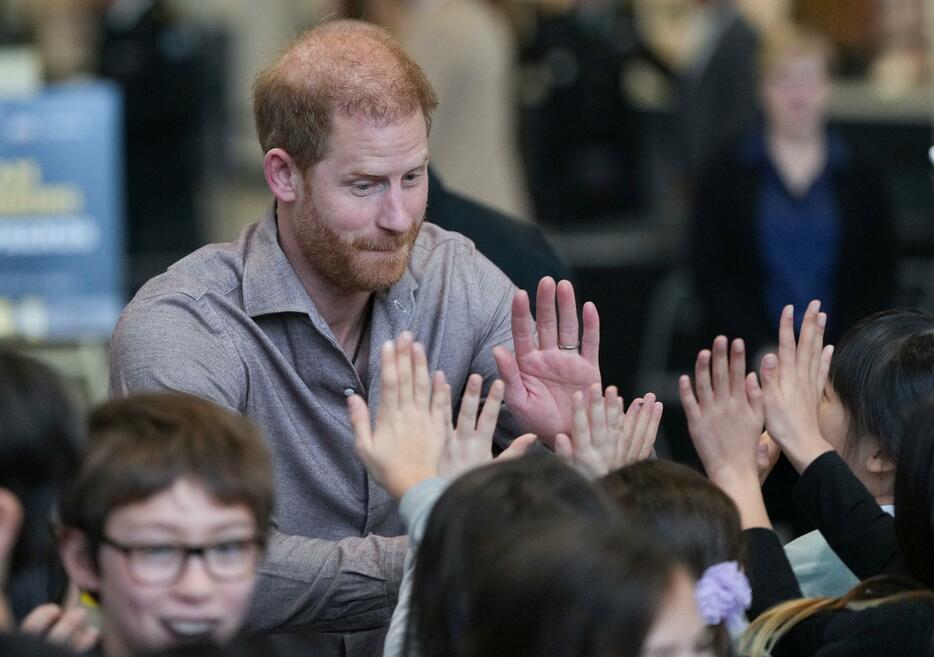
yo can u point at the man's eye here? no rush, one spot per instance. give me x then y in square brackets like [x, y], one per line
[411, 177]
[363, 186]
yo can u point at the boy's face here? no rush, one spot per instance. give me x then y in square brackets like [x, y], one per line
[143, 607]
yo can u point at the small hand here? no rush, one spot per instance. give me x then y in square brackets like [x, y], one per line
[767, 455]
[725, 420]
[793, 384]
[470, 444]
[542, 378]
[405, 446]
[71, 627]
[604, 438]
[726, 415]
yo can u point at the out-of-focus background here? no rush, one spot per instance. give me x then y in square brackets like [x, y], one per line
[126, 141]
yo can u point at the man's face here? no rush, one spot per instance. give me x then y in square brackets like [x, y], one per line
[362, 205]
[197, 607]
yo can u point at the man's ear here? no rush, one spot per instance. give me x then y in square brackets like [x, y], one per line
[11, 521]
[879, 463]
[282, 175]
[75, 551]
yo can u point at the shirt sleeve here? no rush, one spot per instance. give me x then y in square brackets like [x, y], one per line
[858, 530]
[175, 342]
[328, 586]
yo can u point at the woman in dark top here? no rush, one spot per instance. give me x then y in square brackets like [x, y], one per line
[791, 213]
[894, 615]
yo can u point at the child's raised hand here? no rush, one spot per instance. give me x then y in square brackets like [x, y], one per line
[792, 386]
[604, 438]
[405, 445]
[725, 416]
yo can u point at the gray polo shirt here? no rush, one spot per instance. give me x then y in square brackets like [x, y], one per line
[232, 323]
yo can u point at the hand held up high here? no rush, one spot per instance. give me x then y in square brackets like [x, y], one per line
[793, 384]
[546, 369]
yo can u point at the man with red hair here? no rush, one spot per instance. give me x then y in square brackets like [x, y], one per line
[287, 321]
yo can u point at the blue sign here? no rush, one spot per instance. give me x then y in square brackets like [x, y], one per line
[61, 213]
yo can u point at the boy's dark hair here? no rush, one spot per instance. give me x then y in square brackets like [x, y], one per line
[141, 445]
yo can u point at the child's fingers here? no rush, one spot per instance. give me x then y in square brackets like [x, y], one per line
[422, 381]
[702, 385]
[489, 414]
[651, 432]
[470, 402]
[720, 367]
[388, 380]
[360, 422]
[737, 368]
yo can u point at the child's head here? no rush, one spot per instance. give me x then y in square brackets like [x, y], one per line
[165, 520]
[468, 520]
[690, 515]
[40, 443]
[576, 589]
[880, 369]
[693, 518]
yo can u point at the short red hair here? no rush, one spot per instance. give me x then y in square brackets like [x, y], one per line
[345, 66]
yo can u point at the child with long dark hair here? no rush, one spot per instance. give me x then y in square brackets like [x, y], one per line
[721, 416]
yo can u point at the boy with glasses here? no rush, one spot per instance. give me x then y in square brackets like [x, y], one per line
[165, 522]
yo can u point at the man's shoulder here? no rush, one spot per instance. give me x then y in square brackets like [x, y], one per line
[214, 268]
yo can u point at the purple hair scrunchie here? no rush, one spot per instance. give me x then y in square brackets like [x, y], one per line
[724, 594]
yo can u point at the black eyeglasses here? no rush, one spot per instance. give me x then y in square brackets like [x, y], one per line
[163, 564]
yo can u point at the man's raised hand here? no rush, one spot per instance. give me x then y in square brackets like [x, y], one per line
[543, 374]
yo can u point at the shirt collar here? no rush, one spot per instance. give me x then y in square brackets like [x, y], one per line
[270, 285]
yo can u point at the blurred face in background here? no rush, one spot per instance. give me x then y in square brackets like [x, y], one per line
[795, 91]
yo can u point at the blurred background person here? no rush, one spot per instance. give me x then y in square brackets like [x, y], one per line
[791, 212]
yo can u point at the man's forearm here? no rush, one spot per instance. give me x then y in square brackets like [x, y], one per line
[327, 586]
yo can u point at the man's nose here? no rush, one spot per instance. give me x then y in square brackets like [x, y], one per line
[393, 215]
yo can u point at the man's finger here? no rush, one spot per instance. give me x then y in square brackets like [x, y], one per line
[590, 341]
[71, 623]
[545, 315]
[568, 327]
[523, 339]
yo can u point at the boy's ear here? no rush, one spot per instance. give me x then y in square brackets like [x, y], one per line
[879, 463]
[74, 549]
[11, 521]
